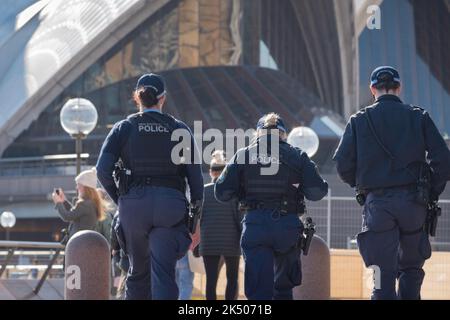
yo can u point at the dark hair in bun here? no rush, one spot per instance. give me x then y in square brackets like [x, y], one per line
[146, 97]
[386, 82]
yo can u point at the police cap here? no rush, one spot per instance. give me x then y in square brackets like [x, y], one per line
[154, 82]
[384, 74]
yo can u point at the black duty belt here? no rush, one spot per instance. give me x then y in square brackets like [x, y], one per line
[381, 191]
[272, 205]
[160, 182]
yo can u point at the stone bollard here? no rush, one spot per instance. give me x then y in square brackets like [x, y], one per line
[316, 273]
[87, 267]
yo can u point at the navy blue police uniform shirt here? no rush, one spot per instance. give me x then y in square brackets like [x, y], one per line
[311, 184]
[407, 132]
[112, 150]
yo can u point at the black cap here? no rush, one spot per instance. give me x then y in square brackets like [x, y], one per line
[384, 74]
[154, 82]
[279, 125]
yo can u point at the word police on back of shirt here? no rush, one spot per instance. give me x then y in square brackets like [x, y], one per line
[152, 128]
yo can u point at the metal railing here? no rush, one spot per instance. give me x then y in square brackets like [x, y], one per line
[60, 164]
[339, 219]
[352, 244]
[13, 246]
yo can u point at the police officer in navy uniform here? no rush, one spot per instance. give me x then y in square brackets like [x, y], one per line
[273, 201]
[381, 153]
[153, 210]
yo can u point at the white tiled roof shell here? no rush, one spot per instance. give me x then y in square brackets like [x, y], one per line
[39, 38]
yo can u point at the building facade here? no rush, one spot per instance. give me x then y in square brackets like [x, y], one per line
[226, 62]
[414, 38]
[201, 34]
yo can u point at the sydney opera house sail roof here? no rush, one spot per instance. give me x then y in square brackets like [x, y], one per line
[45, 44]
[54, 50]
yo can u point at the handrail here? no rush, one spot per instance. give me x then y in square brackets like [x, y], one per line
[12, 246]
[45, 158]
[59, 164]
[31, 245]
[354, 242]
[33, 266]
[26, 252]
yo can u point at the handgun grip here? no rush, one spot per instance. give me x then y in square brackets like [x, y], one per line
[193, 221]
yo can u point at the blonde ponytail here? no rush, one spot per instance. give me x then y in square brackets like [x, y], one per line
[270, 121]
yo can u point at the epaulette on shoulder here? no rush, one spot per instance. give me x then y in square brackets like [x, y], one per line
[290, 149]
[171, 117]
[175, 122]
[288, 146]
[209, 185]
[134, 115]
[417, 108]
[362, 111]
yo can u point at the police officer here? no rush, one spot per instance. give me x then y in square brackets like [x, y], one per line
[273, 200]
[381, 153]
[153, 209]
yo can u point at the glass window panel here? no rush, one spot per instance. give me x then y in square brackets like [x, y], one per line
[111, 99]
[93, 78]
[204, 97]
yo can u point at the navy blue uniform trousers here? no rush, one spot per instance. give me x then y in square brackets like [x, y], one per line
[394, 243]
[156, 236]
[272, 260]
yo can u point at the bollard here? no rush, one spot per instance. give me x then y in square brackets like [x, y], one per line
[87, 267]
[315, 273]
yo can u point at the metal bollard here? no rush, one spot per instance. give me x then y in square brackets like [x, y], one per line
[87, 267]
[315, 273]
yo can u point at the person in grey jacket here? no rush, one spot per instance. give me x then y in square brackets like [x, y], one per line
[87, 209]
[220, 230]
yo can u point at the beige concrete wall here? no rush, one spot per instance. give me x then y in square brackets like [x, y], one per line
[351, 280]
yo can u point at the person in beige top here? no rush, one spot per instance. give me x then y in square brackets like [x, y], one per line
[88, 207]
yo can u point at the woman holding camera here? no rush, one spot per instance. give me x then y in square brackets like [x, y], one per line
[88, 207]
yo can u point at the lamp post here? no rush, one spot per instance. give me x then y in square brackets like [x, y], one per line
[78, 118]
[304, 138]
[7, 220]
